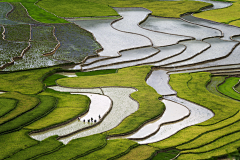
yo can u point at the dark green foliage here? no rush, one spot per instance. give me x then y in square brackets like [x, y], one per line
[48, 145]
[226, 88]
[19, 14]
[77, 147]
[47, 105]
[212, 86]
[50, 81]
[19, 32]
[14, 142]
[6, 105]
[166, 155]
[93, 73]
[43, 33]
[76, 43]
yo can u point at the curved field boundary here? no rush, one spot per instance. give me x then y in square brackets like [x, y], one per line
[16, 102]
[41, 110]
[229, 93]
[235, 87]
[18, 57]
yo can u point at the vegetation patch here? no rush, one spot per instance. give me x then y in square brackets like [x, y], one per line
[25, 82]
[14, 142]
[10, 49]
[94, 8]
[212, 86]
[112, 149]
[51, 80]
[94, 73]
[20, 32]
[19, 14]
[47, 105]
[25, 103]
[226, 88]
[76, 43]
[141, 152]
[78, 147]
[166, 155]
[211, 136]
[34, 58]
[128, 77]
[224, 15]
[48, 145]
[227, 149]
[7, 105]
[69, 106]
[43, 33]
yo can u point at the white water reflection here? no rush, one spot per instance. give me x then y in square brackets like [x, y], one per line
[159, 81]
[180, 27]
[126, 56]
[133, 16]
[198, 114]
[219, 48]
[122, 107]
[98, 108]
[76, 90]
[165, 52]
[110, 39]
[173, 112]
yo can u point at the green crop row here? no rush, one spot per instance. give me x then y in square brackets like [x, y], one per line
[46, 106]
[25, 103]
[212, 86]
[19, 14]
[48, 145]
[7, 105]
[226, 88]
[78, 147]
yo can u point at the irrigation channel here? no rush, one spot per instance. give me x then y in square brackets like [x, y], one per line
[173, 45]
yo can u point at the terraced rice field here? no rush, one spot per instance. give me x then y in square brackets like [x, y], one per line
[119, 80]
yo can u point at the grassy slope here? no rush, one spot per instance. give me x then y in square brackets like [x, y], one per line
[212, 86]
[50, 81]
[94, 73]
[19, 14]
[129, 77]
[25, 103]
[37, 13]
[84, 8]
[140, 153]
[166, 155]
[226, 88]
[188, 85]
[78, 147]
[47, 105]
[69, 106]
[112, 149]
[14, 142]
[44, 146]
[6, 105]
[25, 82]
[225, 15]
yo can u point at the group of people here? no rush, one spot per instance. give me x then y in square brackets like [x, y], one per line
[90, 120]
